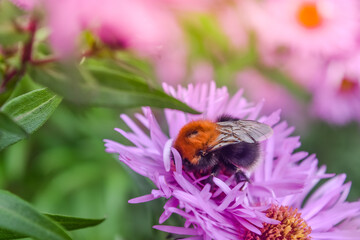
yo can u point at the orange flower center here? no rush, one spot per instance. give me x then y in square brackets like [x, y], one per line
[348, 85]
[291, 226]
[309, 16]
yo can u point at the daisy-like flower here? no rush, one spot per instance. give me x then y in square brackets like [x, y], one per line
[25, 4]
[231, 21]
[308, 26]
[337, 96]
[272, 206]
[144, 26]
[258, 87]
[149, 28]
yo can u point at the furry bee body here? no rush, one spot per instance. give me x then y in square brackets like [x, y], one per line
[229, 145]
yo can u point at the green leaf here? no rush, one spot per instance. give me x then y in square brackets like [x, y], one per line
[29, 112]
[101, 86]
[10, 131]
[206, 38]
[74, 223]
[18, 216]
[11, 38]
[9, 128]
[6, 234]
[8, 11]
[67, 222]
[5, 94]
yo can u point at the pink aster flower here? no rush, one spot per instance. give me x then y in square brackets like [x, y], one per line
[257, 87]
[139, 24]
[25, 4]
[310, 27]
[337, 96]
[188, 5]
[149, 28]
[271, 205]
[232, 23]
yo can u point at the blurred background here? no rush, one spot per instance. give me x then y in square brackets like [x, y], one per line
[289, 55]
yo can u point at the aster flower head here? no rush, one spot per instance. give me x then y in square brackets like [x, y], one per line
[262, 88]
[271, 205]
[337, 96]
[303, 25]
[25, 4]
[147, 28]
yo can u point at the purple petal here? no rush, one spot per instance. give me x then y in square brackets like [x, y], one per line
[145, 198]
[273, 118]
[145, 138]
[191, 238]
[337, 235]
[249, 226]
[255, 112]
[178, 160]
[223, 186]
[176, 230]
[230, 197]
[166, 154]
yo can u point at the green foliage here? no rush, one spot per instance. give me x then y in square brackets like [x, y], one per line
[74, 223]
[93, 85]
[19, 217]
[11, 38]
[25, 114]
[338, 148]
[207, 39]
[10, 130]
[8, 11]
[64, 169]
[67, 222]
[6, 93]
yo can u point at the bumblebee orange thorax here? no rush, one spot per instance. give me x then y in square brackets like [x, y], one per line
[195, 138]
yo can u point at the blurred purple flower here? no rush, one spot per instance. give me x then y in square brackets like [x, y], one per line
[279, 185]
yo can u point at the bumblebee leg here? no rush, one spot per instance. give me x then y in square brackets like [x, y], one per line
[214, 172]
[240, 176]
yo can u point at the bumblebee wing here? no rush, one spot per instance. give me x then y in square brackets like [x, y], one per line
[232, 132]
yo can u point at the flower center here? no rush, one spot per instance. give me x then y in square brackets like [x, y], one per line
[348, 85]
[291, 225]
[308, 15]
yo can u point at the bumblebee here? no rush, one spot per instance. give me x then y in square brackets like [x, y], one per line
[229, 145]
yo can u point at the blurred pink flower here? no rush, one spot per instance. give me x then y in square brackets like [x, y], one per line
[189, 5]
[336, 99]
[144, 25]
[258, 88]
[309, 27]
[283, 179]
[232, 23]
[170, 64]
[202, 72]
[305, 70]
[25, 4]
[147, 27]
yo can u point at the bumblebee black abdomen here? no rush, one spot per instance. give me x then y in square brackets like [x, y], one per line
[242, 155]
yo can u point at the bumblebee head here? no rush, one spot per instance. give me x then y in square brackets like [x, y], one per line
[194, 139]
